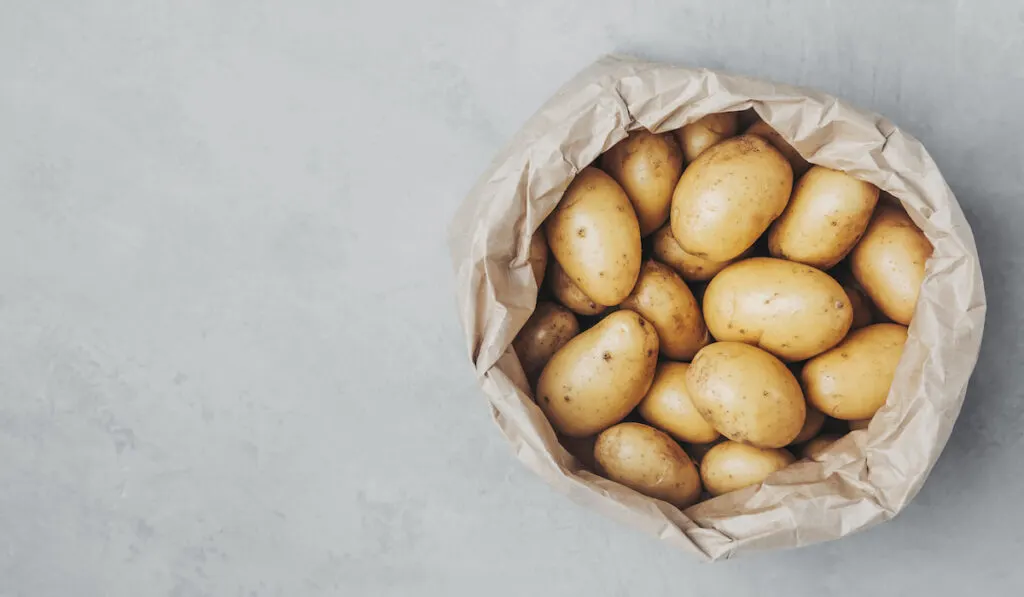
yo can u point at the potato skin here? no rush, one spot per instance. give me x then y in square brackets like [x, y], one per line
[689, 267]
[815, 448]
[648, 461]
[729, 196]
[595, 236]
[765, 131]
[789, 309]
[548, 329]
[668, 406]
[813, 423]
[599, 376]
[826, 216]
[538, 256]
[647, 166]
[666, 301]
[852, 380]
[747, 394]
[698, 136]
[889, 262]
[569, 294]
[730, 466]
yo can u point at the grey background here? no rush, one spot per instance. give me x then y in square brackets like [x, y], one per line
[229, 357]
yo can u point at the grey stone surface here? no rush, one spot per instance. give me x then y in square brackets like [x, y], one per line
[229, 358]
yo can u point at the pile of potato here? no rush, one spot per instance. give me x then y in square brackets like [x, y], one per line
[715, 306]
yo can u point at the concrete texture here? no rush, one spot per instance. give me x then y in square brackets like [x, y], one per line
[229, 358]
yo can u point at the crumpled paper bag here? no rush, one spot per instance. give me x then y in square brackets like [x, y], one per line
[869, 475]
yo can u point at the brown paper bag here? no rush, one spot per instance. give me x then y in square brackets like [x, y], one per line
[869, 475]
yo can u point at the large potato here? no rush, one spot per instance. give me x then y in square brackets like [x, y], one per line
[825, 217]
[697, 136]
[668, 406]
[731, 465]
[569, 294]
[728, 197]
[538, 256]
[889, 262]
[690, 267]
[746, 394]
[789, 309]
[852, 380]
[595, 236]
[796, 161]
[600, 375]
[666, 301]
[647, 166]
[548, 329]
[648, 461]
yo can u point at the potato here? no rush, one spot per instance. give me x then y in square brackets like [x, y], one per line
[851, 381]
[813, 422]
[815, 448]
[600, 375]
[647, 166]
[548, 329]
[796, 161]
[697, 136]
[666, 301]
[862, 315]
[731, 465]
[569, 294]
[668, 407]
[582, 449]
[859, 424]
[889, 262]
[696, 452]
[595, 236]
[789, 309]
[727, 198]
[746, 394]
[648, 461]
[690, 267]
[825, 217]
[538, 256]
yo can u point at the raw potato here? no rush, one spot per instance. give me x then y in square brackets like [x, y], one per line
[729, 196]
[668, 407]
[852, 380]
[600, 375]
[862, 315]
[548, 329]
[538, 256]
[815, 448]
[812, 425]
[826, 216]
[647, 166]
[731, 465]
[666, 301]
[889, 262]
[859, 424]
[595, 236]
[746, 394]
[789, 309]
[690, 267]
[765, 131]
[569, 294]
[695, 137]
[648, 461]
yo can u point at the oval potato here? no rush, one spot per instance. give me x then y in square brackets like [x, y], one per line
[813, 423]
[595, 236]
[666, 301]
[668, 407]
[599, 376]
[648, 461]
[647, 166]
[852, 380]
[747, 394]
[690, 267]
[538, 256]
[548, 329]
[765, 131]
[569, 294]
[815, 448]
[731, 465]
[789, 309]
[729, 196]
[697, 136]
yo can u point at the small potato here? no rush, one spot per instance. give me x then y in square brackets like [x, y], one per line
[852, 380]
[889, 262]
[690, 267]
[595, 236]
[549, 328]
[815, 448]
[729, 196]
[862, 314]
[668, 407]
[538, 256]
[648, 461]
[697, 136]
[731, 465]
[599, 376]
[812, 425]
[746, 394]
[647, 166]
[789, 309]
[764, 130]
[569, 294]
[825, 217]
[666, 301]
[859, 424]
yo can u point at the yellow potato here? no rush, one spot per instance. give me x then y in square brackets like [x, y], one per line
[538, 256]
[812, 425]
[729, 196]
[690, 267]
[666, 301]
[825, 217]
[569, 294]
[647, 166]
[600, 375]
[595, 237]
[852, 380]
[746, 394]
[862, 315]
[859, 424]
[548, 329]
[889, 262]
[697, 136]
[668, 407]
[789, 309]
[815, 448]
[648, 461]
[731, 465]
[765, 131]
